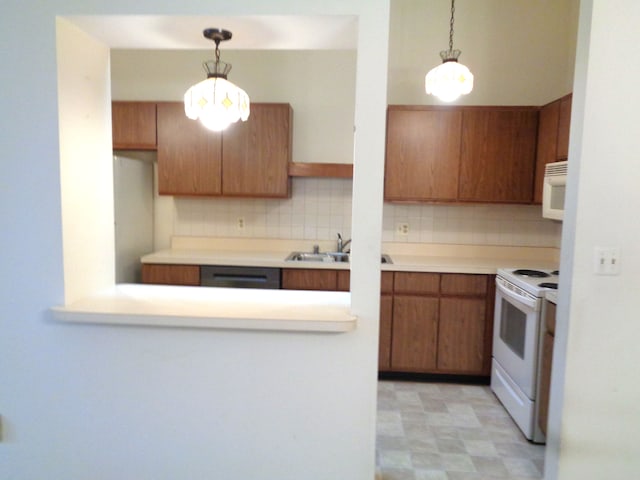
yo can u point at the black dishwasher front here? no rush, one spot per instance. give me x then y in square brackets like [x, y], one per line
[239, 277]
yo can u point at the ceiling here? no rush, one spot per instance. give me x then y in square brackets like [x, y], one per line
[264, 32]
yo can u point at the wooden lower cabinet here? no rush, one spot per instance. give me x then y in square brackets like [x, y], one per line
[440, 323]
[386, 323]
[546, 365]
[171, 274]
[414, 333]
[461, 335]
[315, 279]
[309, 279]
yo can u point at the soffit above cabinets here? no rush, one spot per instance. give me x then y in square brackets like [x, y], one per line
[259, 32]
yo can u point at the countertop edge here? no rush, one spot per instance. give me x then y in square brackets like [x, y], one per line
[189, 307]
[400, 263]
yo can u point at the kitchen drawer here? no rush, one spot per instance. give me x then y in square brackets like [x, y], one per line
[416, 283]
[165, 274]
[463, 284]
[386, 282]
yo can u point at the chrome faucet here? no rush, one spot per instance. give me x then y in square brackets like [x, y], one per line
[341, 245]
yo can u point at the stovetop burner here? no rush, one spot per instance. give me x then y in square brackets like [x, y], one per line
[555, 272]
[531, 273]
[533, 281]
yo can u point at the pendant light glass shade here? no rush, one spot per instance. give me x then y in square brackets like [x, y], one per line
[450, 79]
[216, 101]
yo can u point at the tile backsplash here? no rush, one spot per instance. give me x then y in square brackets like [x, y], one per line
[319, 208]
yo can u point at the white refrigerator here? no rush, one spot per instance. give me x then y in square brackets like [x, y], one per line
[133, 192]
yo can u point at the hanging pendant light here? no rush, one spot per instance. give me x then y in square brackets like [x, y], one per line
[216, 101]
[450, 79]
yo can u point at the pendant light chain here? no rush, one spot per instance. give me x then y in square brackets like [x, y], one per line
[453, 9]
[450, 79]
[217, 51]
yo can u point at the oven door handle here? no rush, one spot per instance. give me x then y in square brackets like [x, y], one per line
[528, 302]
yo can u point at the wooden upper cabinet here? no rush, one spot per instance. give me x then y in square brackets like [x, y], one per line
[564, 122]
[256, 153]
[553, 139]
[133, 125]
[498, 154]
[423, 153]
[189, 155]
[547, 144]
[249, 159]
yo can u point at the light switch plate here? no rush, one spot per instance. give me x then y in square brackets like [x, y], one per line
[606, 260]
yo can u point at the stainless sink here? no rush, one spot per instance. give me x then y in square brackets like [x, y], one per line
[317, 257]
[326, 257]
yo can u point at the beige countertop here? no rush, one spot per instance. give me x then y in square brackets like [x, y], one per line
[406, 257]
[167, 306]
[217, 308]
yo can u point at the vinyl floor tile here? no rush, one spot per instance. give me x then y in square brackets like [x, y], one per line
[432, 431]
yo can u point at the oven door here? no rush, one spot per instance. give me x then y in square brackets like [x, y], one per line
[515, 335]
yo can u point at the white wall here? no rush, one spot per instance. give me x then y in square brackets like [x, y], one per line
[106, 402]
[86, 169]
[595, 396]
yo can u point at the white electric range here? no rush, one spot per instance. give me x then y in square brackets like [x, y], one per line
[516, 343]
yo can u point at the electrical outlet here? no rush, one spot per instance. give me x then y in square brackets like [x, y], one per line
[402, 229]
[606, 260]
[240, 223]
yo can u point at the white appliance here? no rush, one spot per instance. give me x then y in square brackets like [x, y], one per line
[133, 193]
[516, 343]
[553, 188]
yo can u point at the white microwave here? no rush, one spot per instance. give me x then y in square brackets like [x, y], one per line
[555, 181]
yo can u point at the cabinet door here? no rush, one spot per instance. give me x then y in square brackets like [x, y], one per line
[545, 381]
[171, 274]
[461, 335]
[344, 280]
[547, 142]
[189, 155]
[256, 153]
[384, 342]
[415, 330]
[133, 125]
[423, 154]
[564, 123]
[498, 154]
[309, 279]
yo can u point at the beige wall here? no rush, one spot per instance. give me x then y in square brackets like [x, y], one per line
[319, 85]
[521, 52]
